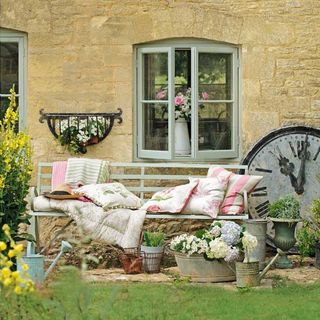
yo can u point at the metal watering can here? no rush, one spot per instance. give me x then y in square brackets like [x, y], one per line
[36, 262]
[247, 273]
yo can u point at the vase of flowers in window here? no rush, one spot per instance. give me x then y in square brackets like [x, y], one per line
[182, 112]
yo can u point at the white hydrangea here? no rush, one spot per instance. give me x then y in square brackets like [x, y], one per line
[218, 249]
[249, 241]
[215, 231]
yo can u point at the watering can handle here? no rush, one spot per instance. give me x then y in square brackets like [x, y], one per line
[266, 269]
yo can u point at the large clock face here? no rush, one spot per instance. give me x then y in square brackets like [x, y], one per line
[289, 161]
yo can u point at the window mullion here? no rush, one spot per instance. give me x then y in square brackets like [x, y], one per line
[194, 103]
[171, 118]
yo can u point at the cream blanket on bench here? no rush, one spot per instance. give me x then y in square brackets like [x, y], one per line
[117, 226]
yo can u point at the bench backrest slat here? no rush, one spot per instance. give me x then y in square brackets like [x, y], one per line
[143, 178]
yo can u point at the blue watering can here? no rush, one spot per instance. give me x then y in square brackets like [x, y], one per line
[36, 261]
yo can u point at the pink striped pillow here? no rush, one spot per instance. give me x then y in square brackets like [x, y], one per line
[233, 202]
[218, 172]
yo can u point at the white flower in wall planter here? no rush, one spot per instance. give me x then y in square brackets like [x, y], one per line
[77, 133]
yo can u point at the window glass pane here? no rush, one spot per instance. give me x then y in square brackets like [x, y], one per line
[215, 74]
[155, 126]
[9, 66]
[155, 76]
[182, 78]
[215, 121]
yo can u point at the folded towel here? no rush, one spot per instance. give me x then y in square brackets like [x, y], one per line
[58, 173]
[86, 171]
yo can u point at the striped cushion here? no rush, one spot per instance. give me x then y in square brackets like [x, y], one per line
[233, 202]
[220, 173]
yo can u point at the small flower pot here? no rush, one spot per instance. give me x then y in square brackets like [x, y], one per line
[152, 257]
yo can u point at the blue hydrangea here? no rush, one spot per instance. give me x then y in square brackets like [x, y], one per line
[230, 232]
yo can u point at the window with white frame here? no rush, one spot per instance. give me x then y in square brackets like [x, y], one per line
[187, 100]
[12, 71]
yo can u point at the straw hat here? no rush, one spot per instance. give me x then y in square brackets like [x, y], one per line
[62, 192]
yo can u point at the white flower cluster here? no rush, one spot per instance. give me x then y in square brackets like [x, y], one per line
[188, 244]
[249, 241]
[85, 128]
[224, 240]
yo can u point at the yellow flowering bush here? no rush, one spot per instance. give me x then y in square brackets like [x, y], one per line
[9, 254]
[15, 170]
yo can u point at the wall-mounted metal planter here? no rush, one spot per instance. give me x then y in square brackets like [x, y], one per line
[79, 130]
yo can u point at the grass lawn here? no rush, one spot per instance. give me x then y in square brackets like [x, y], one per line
[72, 299]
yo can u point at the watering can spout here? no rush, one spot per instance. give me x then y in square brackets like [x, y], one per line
[65, 247]
[266, 269]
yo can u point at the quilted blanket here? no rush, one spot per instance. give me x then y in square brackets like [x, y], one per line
[117, 226]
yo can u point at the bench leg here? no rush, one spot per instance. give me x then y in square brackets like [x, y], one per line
[33, 229]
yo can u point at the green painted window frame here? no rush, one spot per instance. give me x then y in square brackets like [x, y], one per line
[21, 39]
[196, 47]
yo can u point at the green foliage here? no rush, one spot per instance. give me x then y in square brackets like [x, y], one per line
[285, 208]
[315, 209]
[70, 298]
[153, 239]
[15, 170]
[307, 238]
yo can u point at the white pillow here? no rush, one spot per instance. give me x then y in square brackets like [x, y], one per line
[110, 196]
[207, 197]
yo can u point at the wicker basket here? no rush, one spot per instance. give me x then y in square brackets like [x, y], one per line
[131, 261]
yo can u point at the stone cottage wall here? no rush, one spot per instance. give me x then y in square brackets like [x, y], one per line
[80, 58]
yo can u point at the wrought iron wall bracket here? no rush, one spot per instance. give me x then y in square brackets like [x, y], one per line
[57, 121]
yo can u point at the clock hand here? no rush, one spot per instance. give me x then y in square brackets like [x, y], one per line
[287, 169]
[301, 175]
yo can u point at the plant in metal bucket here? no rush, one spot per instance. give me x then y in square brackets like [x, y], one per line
[152, 251]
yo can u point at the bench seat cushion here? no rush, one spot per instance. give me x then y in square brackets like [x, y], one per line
[42, 204]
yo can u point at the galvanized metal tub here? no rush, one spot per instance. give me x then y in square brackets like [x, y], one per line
[258, 228]
[201, 270]
[247, 274]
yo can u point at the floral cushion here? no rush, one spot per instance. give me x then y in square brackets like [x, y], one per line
[110, 196]
[233, 202]
[207, 197]
[171, 200]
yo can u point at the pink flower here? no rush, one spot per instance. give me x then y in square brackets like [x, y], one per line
[153, 208]
[205, 95]
[161, 95]
[178, 100]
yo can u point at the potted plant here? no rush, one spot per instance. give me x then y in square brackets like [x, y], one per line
[285, 214]
[209, 255]
[152, 250]
[77, 133]
[309, 235]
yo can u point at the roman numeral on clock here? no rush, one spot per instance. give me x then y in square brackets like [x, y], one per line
[260, 192]
[263, 208]
[263, 170]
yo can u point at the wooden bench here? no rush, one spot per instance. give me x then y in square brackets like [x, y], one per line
[143, 179]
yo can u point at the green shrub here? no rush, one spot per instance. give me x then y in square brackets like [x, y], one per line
[285, 208]
[15, 171]
[153, 239]
[307, 238]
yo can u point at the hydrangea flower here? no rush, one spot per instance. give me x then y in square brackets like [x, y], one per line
[249, 241]
[230, 232]
[233, 255]
[218, 249]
